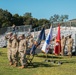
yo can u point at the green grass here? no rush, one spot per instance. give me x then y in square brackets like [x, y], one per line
[41, 68]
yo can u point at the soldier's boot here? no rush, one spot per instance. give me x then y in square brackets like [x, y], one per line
[15, 64]
[11, 63]
[21, 67]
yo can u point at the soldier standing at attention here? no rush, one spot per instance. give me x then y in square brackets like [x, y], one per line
[9, 44]
[70, 45]
[14, 49]
[31, 41]
[62, 45]
[22, 51]
[27, 41]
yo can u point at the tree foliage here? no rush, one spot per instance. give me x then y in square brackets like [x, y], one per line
[58, 18]
[8, 19]
[5, 18]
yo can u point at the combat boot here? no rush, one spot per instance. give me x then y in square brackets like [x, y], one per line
[11, 63]
[21, 67]
[15, 64]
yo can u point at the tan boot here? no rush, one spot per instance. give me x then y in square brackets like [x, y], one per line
[15, 64]
[11, 63]
[21, 67]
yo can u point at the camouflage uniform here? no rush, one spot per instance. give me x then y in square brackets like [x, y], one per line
[22, 51]
[69, 46]
[31, 42]
[62, 46]
[14, 49]
[27, 41]
[9, 44]
[9, 52]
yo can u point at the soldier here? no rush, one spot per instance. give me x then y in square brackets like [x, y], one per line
[27, 41]
[14, 49]
[22, 51]
[70, 45]
[31, 41]
[62, 45]
[9, 43]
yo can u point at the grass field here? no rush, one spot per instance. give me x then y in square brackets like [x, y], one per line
[41, 68]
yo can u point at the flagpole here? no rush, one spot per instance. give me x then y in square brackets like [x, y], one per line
[45, 47]
[46, 60]
[52, 55]
[52, 61]
[59, 62]
[47, 53]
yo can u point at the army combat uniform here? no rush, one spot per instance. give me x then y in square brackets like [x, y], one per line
[14, 49]
[9, 52]
[62, 46]
[22, 52]
[31, 42]
[9, 44]
[69, 46]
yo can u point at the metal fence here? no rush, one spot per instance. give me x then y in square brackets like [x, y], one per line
[3, 30]
[18, 29]
[22, 28]
[66, 29]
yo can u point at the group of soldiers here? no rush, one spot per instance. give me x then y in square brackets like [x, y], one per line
[17, 47]
[66, 46]
[68, 42]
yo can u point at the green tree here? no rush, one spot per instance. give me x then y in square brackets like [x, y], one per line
[57, 18]
[27, 19]
[17, 20]
[43, 21]
[54, 18]
[28, 15]
[63, 18]
[5, 18]
[34, 22]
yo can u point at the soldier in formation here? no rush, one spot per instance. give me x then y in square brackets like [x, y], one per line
[69, 45]
[22, 51]
[17, 48]
[9, 44]
[62, 45]
[66, 42]
[14, 49]
[20, 45]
